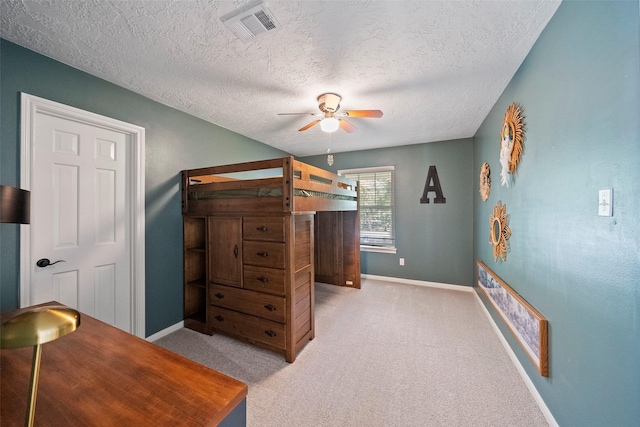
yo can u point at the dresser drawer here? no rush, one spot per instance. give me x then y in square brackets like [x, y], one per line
[255, 303]
[264, 254]
[263, 228]
[250, 327]
[263, 279]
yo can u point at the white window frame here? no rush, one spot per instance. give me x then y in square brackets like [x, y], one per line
[368, 248]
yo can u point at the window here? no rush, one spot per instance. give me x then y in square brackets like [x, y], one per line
[377, 206]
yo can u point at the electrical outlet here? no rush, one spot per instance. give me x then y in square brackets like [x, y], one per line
[401, 261]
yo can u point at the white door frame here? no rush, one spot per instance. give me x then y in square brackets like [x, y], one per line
[30, 106]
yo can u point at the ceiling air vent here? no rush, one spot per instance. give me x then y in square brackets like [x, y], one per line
[251, 20]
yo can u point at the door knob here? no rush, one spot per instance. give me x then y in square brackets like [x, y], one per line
[44, 262]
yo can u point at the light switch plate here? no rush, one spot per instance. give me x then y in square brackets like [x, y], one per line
[605, 202]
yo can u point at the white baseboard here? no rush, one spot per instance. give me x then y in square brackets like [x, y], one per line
[165, 332]
[516, 362]
[419, 283]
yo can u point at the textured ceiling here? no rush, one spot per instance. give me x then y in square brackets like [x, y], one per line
[435, 68]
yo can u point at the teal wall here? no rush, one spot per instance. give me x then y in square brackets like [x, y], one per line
[579, 88]
[174, 141]
[434, 239]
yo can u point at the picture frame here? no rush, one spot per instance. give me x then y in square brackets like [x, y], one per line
[528, 326]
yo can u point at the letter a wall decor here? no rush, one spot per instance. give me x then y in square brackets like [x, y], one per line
[432, 184]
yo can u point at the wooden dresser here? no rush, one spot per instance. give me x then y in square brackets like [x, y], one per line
[251, 277]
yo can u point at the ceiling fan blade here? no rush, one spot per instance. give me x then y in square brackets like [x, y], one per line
[346, 126]
[309, 125]
[364, 113]
[297, 114]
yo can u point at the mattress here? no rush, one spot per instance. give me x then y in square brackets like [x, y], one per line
[243, 193]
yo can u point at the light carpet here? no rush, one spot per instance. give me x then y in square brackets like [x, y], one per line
[390, 354]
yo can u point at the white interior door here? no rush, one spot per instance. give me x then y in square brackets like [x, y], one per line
[81, 250]
[79, 210]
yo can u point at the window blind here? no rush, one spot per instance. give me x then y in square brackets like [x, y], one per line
[377, 205]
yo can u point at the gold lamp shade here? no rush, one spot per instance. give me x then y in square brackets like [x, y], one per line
[35, 327]
[38, 326]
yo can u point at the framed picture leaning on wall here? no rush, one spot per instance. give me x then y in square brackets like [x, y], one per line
[525, 322]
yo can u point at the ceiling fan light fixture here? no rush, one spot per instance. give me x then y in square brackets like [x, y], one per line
[329, 124]
[329, 104]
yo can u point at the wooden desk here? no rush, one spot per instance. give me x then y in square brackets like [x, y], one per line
[100, 375]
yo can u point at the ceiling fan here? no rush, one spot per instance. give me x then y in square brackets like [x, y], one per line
[331, 119]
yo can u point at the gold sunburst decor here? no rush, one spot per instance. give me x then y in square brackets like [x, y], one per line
[485, 181]
[499, 231]
[511, 141]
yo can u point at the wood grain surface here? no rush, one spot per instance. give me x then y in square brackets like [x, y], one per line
[100, 375]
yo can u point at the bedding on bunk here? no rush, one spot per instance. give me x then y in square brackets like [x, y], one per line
[262, 192]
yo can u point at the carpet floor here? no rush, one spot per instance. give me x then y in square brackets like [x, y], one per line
[389, 354]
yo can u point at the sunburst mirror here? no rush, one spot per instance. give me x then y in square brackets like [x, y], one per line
[499, 231]
[511, 140]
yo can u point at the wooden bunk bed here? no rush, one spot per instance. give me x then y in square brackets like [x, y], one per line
[257, 236]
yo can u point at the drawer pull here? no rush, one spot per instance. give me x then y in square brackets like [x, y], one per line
[219, 318]
[263, 228]
[263, 279]
[219, 295]
[235, 251]
[270, 307]
[263, 254]
[270, 333]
